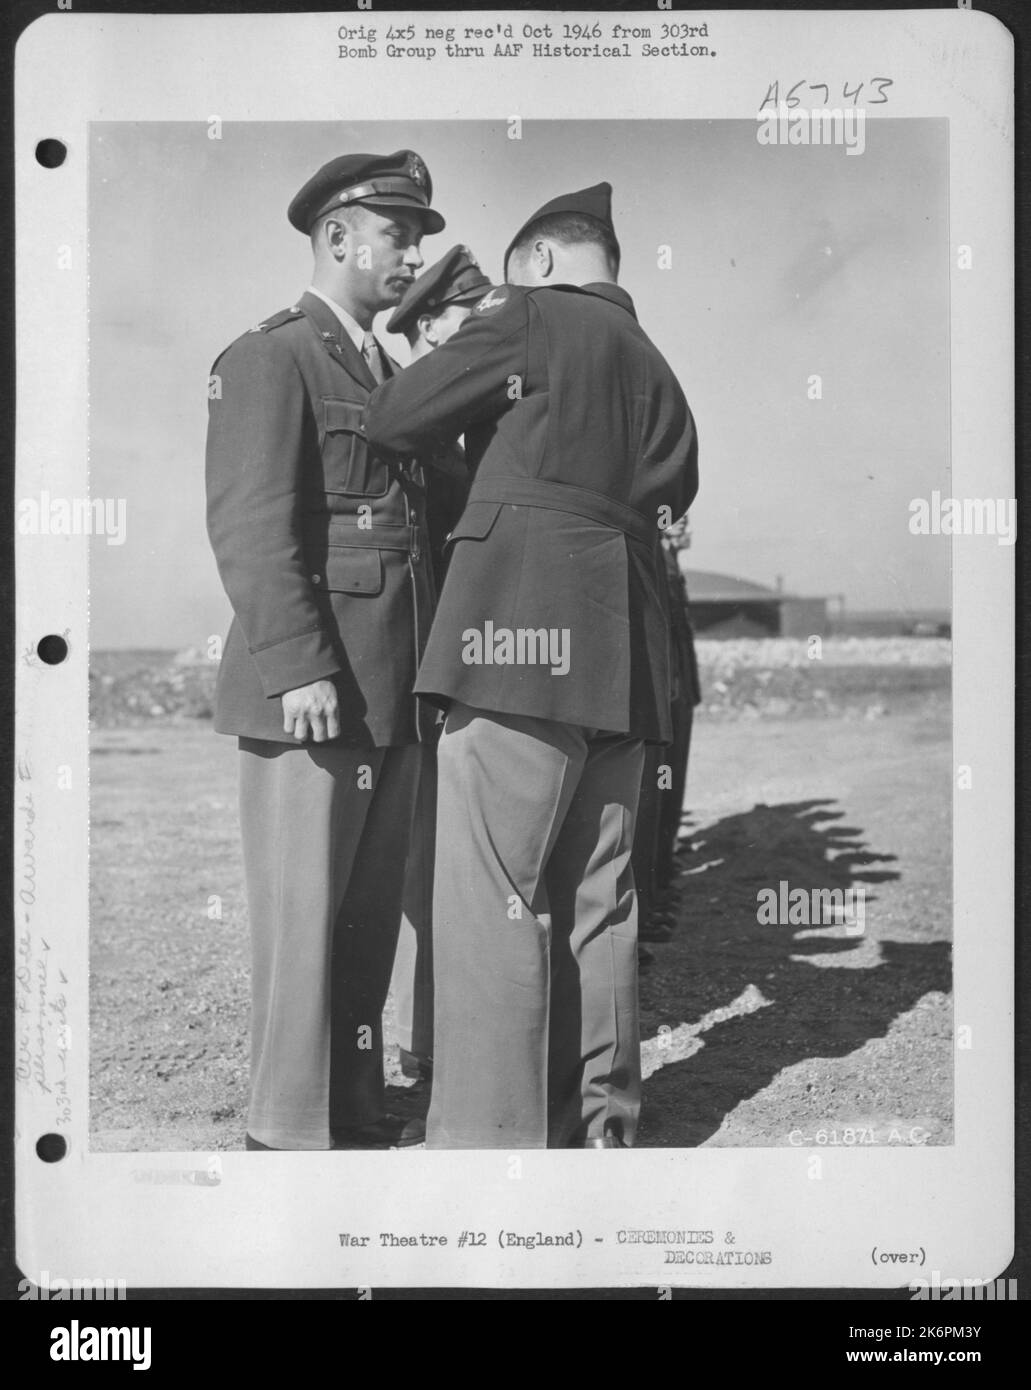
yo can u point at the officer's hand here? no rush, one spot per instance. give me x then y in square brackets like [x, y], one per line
[312, 709]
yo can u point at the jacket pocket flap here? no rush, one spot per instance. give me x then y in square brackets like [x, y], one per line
[353, 570]
[475, 522]
[342, 415]
[350, 466]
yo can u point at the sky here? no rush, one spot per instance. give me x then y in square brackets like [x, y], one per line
[783, 262]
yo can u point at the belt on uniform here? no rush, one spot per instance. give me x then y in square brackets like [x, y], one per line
[564, 497]
[381, 535]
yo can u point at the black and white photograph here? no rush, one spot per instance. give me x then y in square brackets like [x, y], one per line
[789, 922]
[538, 610]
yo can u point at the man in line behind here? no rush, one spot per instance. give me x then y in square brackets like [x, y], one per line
[665, 770]
[432, 311]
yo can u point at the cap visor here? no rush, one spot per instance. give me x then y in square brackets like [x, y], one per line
[398, 323]
[432, 221]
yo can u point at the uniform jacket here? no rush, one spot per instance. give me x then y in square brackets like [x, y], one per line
[684, 663]
[446, 496]
[577, 434]
[320, 542]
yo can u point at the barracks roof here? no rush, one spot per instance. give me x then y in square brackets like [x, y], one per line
[706, 587]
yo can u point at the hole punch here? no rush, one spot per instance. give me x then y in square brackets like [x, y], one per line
[52, 649]
[51, 153]
[51, 1147]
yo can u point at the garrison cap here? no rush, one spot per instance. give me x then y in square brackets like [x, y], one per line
[455, 279]
[372, 180]
[595, 202]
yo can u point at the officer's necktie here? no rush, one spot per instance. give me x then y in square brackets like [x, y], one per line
[373, 359]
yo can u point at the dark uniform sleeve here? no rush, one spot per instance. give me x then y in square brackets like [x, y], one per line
[674, 440]
[254, 473]
[477, 375]
[446, 494]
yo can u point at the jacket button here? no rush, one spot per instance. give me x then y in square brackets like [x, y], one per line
[316, 579]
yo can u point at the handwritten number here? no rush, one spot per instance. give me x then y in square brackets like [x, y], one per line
[792, 99]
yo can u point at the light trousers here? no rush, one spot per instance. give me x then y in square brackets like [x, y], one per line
[412, 980]
[325, 837]
[536, 1040]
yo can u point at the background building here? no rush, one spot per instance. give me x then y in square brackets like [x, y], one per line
[725, 606]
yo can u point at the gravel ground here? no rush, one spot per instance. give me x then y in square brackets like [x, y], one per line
[752, 1034]
[764, 1035]
[856, 677]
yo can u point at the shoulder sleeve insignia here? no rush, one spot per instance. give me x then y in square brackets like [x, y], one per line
[493, 300]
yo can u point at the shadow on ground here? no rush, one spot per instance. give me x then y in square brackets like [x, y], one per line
[731, 1002]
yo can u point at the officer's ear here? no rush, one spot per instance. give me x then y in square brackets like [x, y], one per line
[427, 329]
[332, 235]
[542, 257]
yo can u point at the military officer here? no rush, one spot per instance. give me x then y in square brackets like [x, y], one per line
[550, 652]
[320, 544]
[665, 770]
[432, 311]
[686, 695]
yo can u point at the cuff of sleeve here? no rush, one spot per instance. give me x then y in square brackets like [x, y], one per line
[295, 661]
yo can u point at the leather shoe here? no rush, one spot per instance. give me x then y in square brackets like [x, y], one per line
[388, 1132]
[611, 1137]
